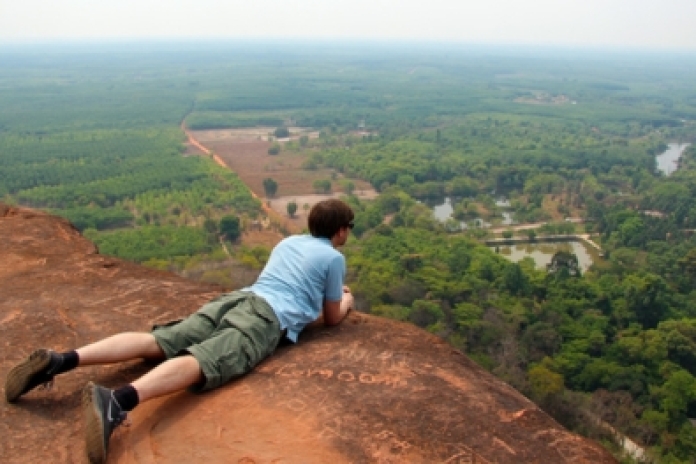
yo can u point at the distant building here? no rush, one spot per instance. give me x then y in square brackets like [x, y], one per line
[657, 214]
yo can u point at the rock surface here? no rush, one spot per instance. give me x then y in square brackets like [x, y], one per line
[369, 391]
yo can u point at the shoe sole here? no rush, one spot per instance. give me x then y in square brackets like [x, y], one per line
[94, 425]
[19, 376]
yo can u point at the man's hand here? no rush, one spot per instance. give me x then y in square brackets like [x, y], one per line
[347, 301]
[335, 311]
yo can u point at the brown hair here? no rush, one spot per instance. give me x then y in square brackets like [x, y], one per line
[327, 217]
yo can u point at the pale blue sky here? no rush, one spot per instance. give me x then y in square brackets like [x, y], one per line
[616, 23]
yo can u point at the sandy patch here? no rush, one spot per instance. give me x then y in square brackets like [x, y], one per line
[305, 203]
[251, 134]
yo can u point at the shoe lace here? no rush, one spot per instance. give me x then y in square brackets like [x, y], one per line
[121, 416]
[50, 374]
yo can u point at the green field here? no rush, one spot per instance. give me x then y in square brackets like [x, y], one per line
[93, 133]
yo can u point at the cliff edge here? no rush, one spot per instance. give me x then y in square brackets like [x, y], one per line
[368, 391]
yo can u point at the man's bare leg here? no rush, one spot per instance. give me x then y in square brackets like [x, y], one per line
[105, 409]
[172, 375]
[121, 347]
[41, 366]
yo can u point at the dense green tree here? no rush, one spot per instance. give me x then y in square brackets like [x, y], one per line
[564, 263]
[322, 185]
[544, 382]
[646, 298]
[514, 280]
[270, 187]
[230, 227]
[292, 208]
[425, 313]
[150, 242]
[349, 187]
[210, 226]
[281, 132]
[274, 149]
[541, 339]
[680, 337]
[676, 394]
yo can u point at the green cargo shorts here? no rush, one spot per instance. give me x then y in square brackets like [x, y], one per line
[228, 336]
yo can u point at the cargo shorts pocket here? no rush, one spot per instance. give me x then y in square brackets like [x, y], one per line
[166, 324]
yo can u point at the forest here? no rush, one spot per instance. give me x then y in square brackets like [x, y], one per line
[94, 134]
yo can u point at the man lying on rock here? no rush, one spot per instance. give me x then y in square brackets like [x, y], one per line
[301, 283]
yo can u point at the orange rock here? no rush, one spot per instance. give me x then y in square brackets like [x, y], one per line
[370, 390]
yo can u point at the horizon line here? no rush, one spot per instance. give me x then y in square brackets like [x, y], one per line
[93, 42]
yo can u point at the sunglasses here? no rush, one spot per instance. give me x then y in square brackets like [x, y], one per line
[350, 225]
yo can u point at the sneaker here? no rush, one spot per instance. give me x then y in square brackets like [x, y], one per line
[102, 415]
[38, 369]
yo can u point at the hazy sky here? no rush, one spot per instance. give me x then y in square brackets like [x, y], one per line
[619, 23]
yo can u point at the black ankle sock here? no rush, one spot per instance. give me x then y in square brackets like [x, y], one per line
[127, 397]
[70, 361]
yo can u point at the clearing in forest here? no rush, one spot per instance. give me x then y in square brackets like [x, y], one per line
[245, 151]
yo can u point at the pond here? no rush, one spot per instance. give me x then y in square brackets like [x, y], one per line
[542, 253]
[443, 209]
[667, 162]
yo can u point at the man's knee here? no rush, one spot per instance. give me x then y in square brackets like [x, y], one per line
[153, 351]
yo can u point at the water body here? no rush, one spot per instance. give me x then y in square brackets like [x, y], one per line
[667, 161]
[542, 253]
[443, 210]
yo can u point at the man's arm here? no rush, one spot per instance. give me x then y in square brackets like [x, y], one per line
[335, 311]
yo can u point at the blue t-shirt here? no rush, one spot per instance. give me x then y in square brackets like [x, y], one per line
[301, 273]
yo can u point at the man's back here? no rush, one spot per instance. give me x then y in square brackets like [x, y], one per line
[301, 273]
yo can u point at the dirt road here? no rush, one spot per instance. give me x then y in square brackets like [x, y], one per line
[273, 215]
[244, 152]
[533, 225]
